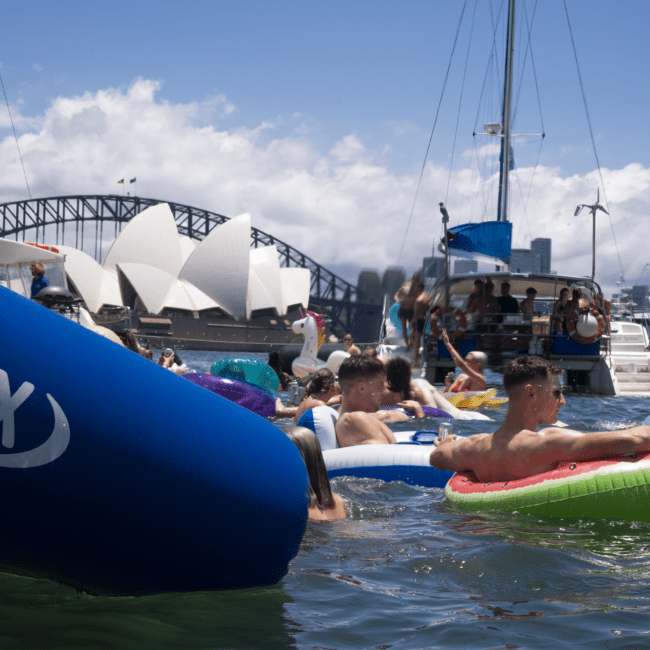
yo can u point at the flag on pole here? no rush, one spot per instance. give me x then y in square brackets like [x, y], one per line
[120, 182]
[132, 180]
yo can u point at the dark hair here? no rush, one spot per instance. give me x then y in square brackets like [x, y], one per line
[322, 380]
[531, 290]
[563, 291]
[505, 284]
[274, 361]
[131, 342]
[309, 448]
[358, 368]
[398, 375]
[526, 369]
[576, 293]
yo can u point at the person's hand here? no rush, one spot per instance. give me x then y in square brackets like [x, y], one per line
[412, 405]
[450, 438]
[445, 336]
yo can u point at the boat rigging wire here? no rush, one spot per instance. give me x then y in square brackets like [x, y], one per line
[591, 133]
[417, 190]
[11, 119]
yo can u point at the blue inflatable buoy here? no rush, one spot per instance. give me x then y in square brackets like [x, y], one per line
[247, 369]
[126, 479]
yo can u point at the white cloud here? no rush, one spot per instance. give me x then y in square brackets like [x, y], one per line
[338, 207]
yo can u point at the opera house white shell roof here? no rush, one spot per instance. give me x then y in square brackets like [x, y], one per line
[151, 267]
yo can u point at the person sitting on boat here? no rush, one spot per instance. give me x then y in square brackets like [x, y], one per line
[420, 307]
[527, 305]
[349, 344]
[577, 303]
[516, 449]
[602, 306]
[40, 281]
[362, 380]
[400, 386]
[274, 362]
[507, 304]
[559, 311]
[471, 377]
[406, 296]
[324, 504]
[321, 391]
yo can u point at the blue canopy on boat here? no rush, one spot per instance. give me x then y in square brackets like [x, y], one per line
[490, 238]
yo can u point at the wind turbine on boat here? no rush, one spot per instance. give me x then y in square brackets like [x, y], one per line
[593, 209]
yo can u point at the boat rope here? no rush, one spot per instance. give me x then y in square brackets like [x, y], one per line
[11, 119]
[591, 133]
[460, 102]
[417, 190]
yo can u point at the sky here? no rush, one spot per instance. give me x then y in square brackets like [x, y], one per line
[316, 117]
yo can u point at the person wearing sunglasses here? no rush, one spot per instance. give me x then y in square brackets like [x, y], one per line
[517, 449]
[349, 344]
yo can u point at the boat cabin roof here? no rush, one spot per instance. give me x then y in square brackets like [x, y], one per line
[14, 253]
[548, 285]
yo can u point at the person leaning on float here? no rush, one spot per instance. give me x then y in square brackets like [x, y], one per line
[471, 367]
[516, 449]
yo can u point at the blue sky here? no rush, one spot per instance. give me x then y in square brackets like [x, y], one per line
[315, 117]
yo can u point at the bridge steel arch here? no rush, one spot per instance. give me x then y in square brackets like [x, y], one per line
[38, 219]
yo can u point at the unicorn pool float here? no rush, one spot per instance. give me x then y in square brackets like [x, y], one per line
[312, 327]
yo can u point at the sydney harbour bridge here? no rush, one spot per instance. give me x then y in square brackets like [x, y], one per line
[85, 221]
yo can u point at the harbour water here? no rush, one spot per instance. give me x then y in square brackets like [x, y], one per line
[404, 571]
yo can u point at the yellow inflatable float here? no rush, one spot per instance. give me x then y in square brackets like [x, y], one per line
[476, 399]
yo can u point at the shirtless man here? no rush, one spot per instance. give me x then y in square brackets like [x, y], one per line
[349, 344]
[516, 449]
[577, 303]
[420, 307]
[406, 296]
[362, 380]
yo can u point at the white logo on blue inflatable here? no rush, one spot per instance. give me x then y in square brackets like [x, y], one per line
[50, 450]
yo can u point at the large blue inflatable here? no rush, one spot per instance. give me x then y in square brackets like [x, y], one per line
[120, 477]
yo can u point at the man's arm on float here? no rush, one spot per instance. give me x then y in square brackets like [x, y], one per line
[359, 428]
[566, 445]
[452, 454]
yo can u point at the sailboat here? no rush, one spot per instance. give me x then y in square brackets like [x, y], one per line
[595, 355]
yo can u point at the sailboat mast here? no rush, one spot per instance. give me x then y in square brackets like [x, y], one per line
[507, 105]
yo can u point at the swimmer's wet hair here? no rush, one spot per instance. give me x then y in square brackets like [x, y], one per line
[360, 367]
[523, 370]
[309, 448]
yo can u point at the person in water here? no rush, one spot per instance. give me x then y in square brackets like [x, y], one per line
[471, 377]
[39, 280]
[275, 363]
[361, 422]
[399, 384]
[324, 505]
[321, 391]
[348, 341]
[516, 449]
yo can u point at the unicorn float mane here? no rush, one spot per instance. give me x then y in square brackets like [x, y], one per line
[320, 323]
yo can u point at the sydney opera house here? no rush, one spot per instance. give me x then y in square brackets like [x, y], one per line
[219, 289]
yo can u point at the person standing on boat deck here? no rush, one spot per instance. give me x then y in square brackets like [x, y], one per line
[471, 377]
[475, 304]
[406, 296]
[349, 344]
[516, 449]
[507, 303]
[40, 281]
[559, 311]
[361, 422]
[420, 307]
